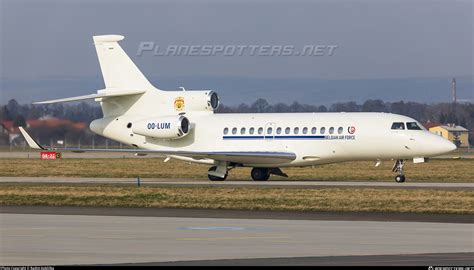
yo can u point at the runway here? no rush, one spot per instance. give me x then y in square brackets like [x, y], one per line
[259, 184]
[48, 239]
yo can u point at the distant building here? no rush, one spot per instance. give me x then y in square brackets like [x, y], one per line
[51, 122]
[3, 129]
[457, 134]
[12, 132]
[430, 124]
[8, 128]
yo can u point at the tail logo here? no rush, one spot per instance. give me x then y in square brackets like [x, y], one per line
[179, 103]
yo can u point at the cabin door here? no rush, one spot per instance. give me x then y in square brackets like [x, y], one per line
[269, 132]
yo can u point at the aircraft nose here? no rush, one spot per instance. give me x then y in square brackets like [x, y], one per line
[436, 145]
[450, 146]
[446, 146]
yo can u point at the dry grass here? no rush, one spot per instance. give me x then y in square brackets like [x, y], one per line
[326, 199]
[434, 171]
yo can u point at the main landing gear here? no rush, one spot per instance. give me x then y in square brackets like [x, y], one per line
[263, 174]
[398, 168]
[260, 174]
[220, 172]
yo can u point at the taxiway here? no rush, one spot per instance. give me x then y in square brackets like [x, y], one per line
[241, 183]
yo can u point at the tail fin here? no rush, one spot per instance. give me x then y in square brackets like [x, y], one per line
[125, 84]
[117, 68]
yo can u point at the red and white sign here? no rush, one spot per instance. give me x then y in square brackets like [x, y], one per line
[50, 155]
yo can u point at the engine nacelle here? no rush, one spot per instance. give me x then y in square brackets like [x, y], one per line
[163, 127]
[187, 101]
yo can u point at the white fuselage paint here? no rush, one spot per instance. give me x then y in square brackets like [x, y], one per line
[372, 137]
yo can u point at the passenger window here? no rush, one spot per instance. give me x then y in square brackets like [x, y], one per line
[339, 130]
[279, 130]
[226, 130]
[296, 130]
[269, 130]
[242, 130]
[260, 130]
[331, 130]
[313, 130]
[413, 126]
[234, 130]
[305, 130]
[398, 126]
[322, 130]
[251, 130]
[287, 130]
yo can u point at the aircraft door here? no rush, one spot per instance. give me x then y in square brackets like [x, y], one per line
[269, 132]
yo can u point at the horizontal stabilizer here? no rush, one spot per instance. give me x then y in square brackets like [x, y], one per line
[100, 94]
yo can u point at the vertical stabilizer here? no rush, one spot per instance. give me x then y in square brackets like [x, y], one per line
[118, 69]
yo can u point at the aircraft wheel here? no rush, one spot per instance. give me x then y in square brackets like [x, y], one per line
[260, 174]
[400, 178]
[215, 178]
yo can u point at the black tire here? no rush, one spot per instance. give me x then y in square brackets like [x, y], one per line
[215, 178]
[400, 178]
[260, 174]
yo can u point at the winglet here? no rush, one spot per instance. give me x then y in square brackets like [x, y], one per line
[31, 142]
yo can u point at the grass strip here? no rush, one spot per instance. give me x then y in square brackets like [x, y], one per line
[324, 199]
[433, 171]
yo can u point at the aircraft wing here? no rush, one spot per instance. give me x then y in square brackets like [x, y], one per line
[261, 157]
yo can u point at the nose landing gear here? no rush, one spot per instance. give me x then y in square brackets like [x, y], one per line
[213, 177]
[398, 168]
[219, 172]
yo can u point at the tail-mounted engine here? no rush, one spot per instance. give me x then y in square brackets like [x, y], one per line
[163, 127]
[187, 101]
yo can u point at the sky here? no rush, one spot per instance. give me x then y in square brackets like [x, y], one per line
[50, 42]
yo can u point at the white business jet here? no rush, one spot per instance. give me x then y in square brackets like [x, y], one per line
[182, 125]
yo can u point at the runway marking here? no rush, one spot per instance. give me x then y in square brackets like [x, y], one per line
[232, 238]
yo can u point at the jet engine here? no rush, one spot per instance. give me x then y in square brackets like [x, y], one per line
[163, 127]
[188, 101]
[202, 100]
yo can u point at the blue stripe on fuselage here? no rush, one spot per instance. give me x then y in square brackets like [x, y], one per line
[271, 137]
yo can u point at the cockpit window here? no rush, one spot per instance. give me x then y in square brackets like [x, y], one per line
[398, 126]
[413, 126]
